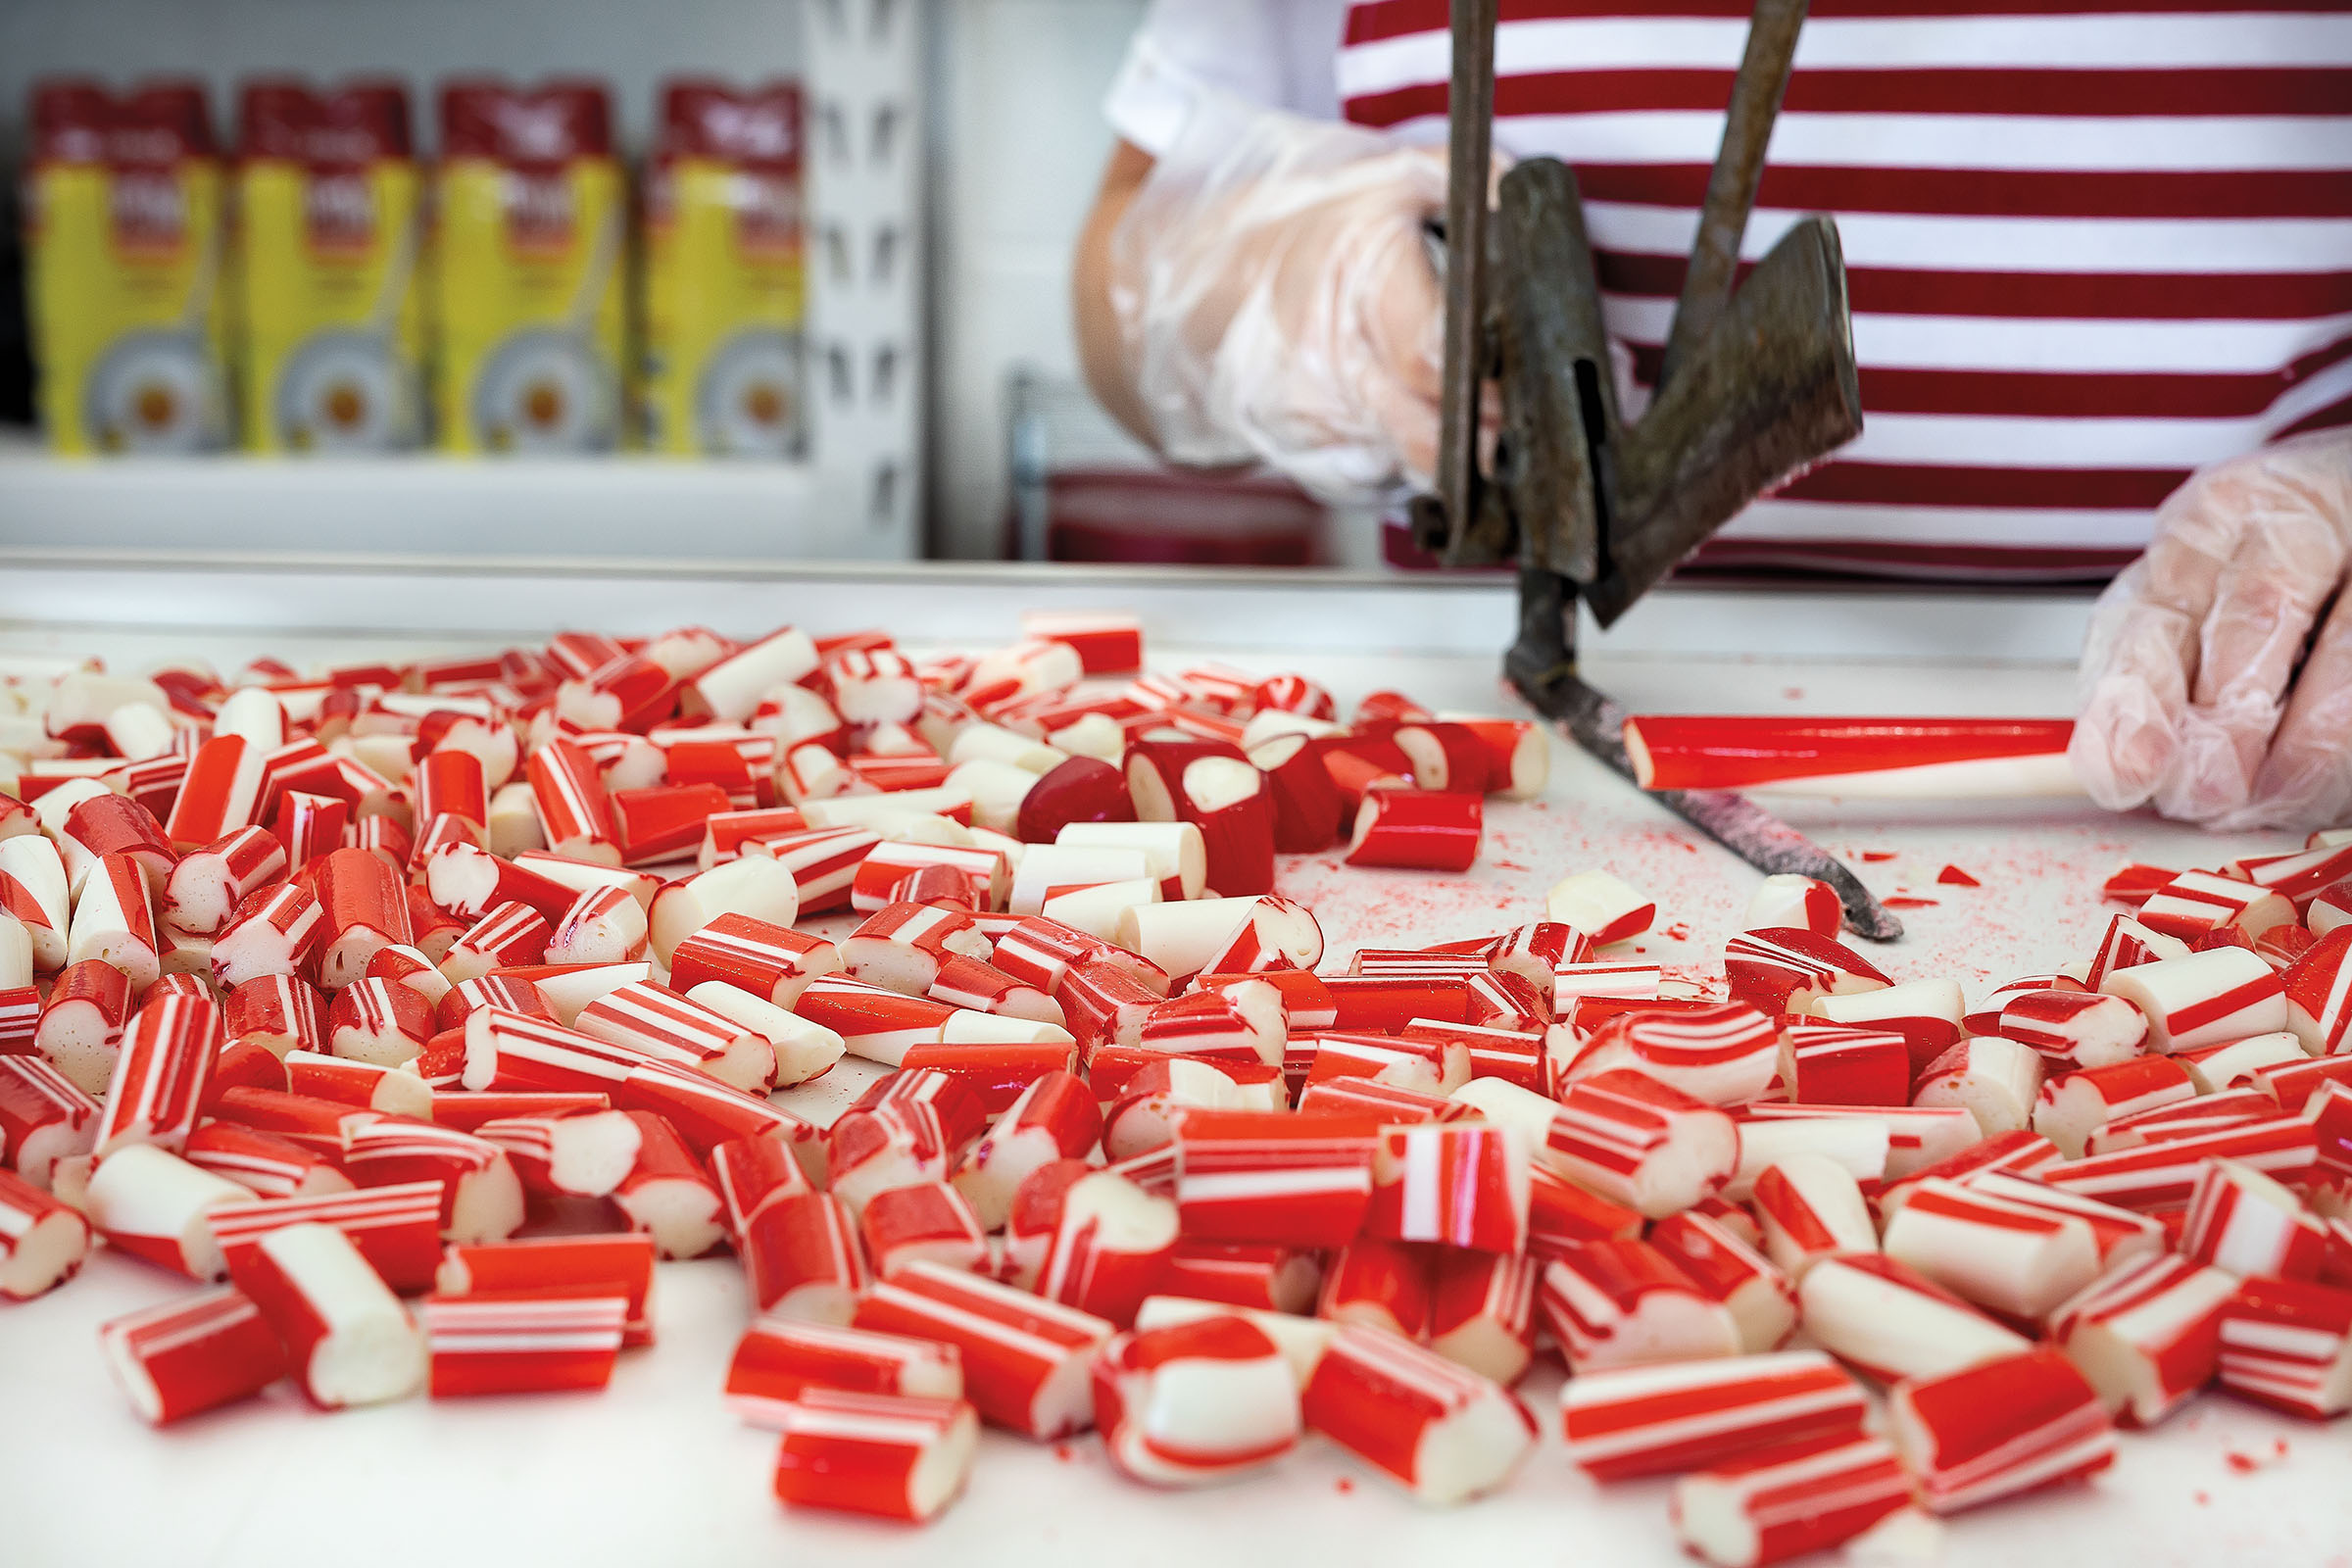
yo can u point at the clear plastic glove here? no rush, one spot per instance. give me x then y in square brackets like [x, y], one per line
[2216, 678]
[1276, 301]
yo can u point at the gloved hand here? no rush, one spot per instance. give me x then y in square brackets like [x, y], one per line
[2205, 687]
[1276, 301]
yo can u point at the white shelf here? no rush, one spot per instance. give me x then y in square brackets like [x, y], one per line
[425, 504]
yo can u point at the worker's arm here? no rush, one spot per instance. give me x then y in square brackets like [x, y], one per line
[1261, 292]
[2217, 676]
[1099, 351]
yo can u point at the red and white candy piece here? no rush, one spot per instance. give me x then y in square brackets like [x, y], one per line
[1892, 1322]
[275, 931]
[2127, 945]
[1422, 830]
[2016, 1258]
[1999, 1428]
[482, 1199]
[930, 1221]
[1056, 1117]
[893, 1455]
[1844, 1065]
[1026, 1361]
[44, 1117]
[2203, 999]
[767, 961]
[348, 1340]
[1444, 1432]
[1279, 1177]
[1458, 1184]
[1106, 1243]
[1194, 1402]
[366, 910]
[1482, 1312]
[396, 1229]
[602, 926]
[2074, 1029]
[155, 1205]
[2159, 1176]
[1618, 1304]
[378, 1022]
[192, 1353]
[1641, 1143]
[670, 1027]
[2319, 993]
[667, 1194]
[2246, 1223]
[587, 1154]
[1601, 905]
[1810, 1207]
[1724, 1264]
[2287, 1344]
[1786, 899]
[42, 1241]
[208, 884]
[161, 1077]
[1782, 1502]
[1725, 1054]
[2147, 1335]
[1994, 1079]
[525, 1342]
[113, 922]
[1786, 969]
[1656, 1420]
[802, 1256]
[2197, 902]
[2068, 1109]
[778, 1359]
[1386, 1284]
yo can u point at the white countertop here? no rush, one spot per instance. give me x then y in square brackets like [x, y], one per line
[656, 1470]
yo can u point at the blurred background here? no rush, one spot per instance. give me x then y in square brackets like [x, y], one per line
[732, 279]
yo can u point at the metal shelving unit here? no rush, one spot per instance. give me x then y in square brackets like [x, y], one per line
[856, 497]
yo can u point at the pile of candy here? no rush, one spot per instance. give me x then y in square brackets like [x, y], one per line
[328, 987]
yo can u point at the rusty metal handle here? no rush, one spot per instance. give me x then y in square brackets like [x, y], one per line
[1732, 186]
[1470, 114]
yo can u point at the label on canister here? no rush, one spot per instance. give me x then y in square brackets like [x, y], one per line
[329, 292]
[724, 285]
[529, 270]
[123, 239]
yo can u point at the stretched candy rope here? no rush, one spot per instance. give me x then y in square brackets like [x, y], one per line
[1914, 758]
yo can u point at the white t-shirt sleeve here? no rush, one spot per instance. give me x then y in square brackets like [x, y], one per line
[1279, 53]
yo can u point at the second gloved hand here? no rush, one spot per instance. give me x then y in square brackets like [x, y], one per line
[2216, 682]
[1276, 302]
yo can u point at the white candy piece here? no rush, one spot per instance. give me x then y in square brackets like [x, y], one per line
[1997, 1080]
[2204, 999]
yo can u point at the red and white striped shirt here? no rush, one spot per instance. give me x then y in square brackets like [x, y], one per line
[2091, 244]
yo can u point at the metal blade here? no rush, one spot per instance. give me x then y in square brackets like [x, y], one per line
[1771, 390]
[1737, 823]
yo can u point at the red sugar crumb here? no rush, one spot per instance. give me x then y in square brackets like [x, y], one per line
[1676, 932]
[2204, 1500]
[1876, 856]
[1901, 903]
[2277, 1447]
[1795, 694]
[2242, 1463]
[1953, 876]
[1342, 1486]
[1064, 1452]
[1506, 865]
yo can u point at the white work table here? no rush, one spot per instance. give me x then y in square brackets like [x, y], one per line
[656, 1470]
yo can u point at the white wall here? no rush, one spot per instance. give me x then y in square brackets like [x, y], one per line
[1019, 143]
[630, 43]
